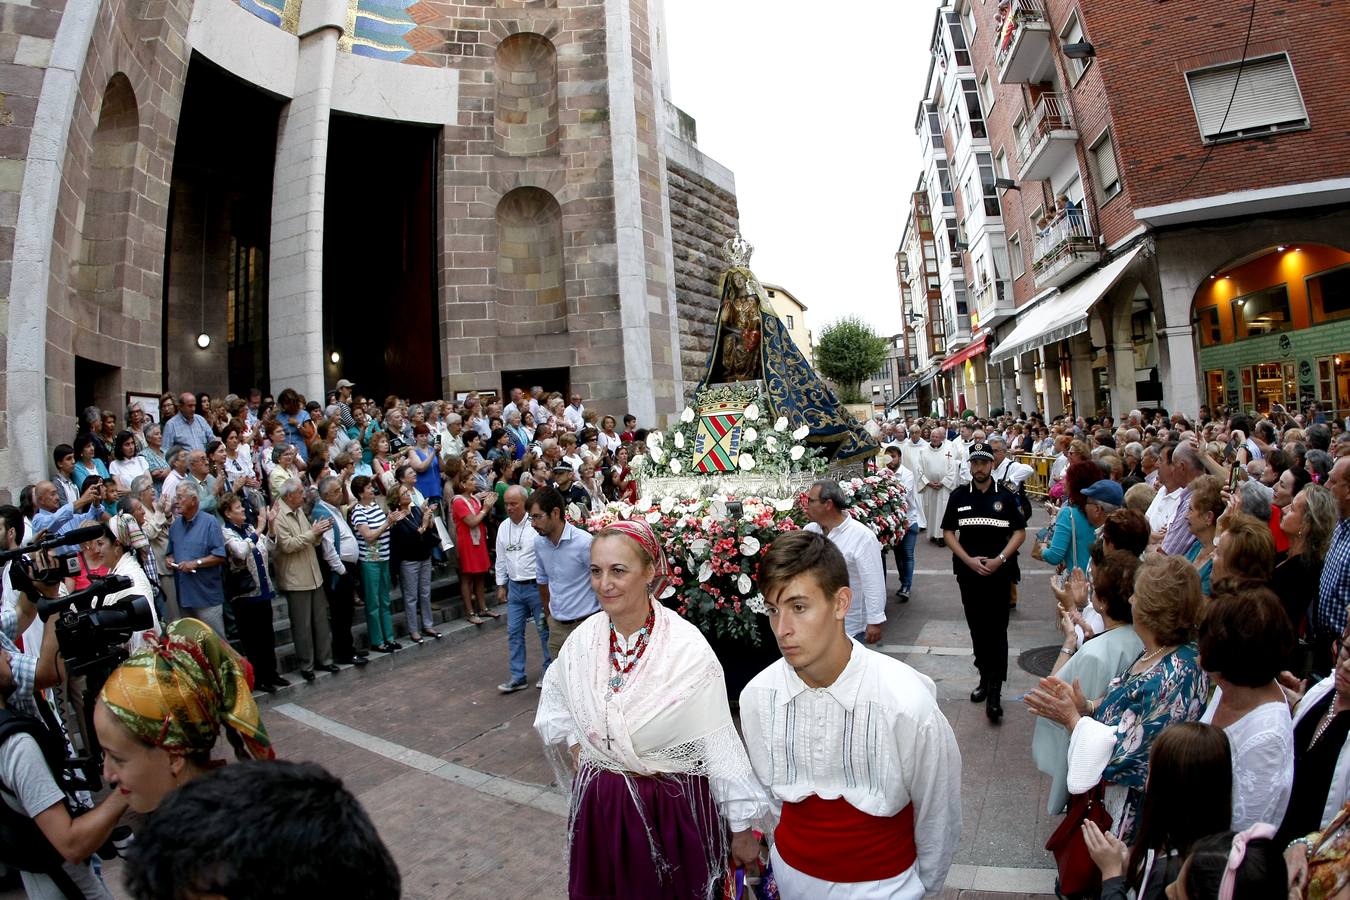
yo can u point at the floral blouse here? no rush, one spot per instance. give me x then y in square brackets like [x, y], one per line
[1141, 706]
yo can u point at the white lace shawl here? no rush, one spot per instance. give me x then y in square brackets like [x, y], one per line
[670, 716]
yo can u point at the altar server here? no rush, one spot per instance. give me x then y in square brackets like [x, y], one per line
[862, 769]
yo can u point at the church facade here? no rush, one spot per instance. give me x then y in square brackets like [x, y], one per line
[424, 197]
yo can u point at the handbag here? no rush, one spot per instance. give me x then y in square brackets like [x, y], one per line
[1078, 874]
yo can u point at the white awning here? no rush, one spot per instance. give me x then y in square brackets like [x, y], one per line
[1062, 316]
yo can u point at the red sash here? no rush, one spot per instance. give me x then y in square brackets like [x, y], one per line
[835, 841]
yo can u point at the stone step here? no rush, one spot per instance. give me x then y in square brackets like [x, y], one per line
[447, 607]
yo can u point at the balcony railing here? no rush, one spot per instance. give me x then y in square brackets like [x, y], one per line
[1024, 49]
[994, 302]
[1065, 248]
[1046, 138]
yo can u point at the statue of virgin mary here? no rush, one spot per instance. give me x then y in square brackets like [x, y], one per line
[753, 344]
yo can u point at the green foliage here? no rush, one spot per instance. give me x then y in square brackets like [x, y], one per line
[848, 352]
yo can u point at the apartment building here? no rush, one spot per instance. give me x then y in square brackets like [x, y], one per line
[1174, 197]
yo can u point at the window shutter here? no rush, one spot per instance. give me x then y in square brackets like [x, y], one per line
[1267, 95]
[1107, 174]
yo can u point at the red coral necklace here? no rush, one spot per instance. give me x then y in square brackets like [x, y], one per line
[623, 663]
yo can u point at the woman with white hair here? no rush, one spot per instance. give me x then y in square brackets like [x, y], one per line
[118, 545]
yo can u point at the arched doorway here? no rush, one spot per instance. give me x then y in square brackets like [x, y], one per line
[1273, 328]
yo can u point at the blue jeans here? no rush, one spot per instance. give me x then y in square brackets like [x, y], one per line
[904, 557]
[522, 602]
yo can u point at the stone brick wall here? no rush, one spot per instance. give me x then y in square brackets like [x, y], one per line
[702, 216]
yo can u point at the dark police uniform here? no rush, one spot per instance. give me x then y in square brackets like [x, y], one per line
[985, 522]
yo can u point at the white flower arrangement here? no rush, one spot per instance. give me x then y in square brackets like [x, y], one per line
[678, 440]
[749, 436]
[752, 413]
[676, 466]
[781, 424]
[797, 452]
[747, 462]
[801, 433]
[687, 415]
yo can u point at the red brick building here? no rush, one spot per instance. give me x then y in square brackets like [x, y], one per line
[1161, 167]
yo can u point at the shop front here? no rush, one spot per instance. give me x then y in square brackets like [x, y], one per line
[1275, 329]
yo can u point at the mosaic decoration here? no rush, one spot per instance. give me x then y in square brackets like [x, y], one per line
[375, 28]
[379, 29]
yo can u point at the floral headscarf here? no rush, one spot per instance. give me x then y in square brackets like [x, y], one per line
[178, 691]
[641, 532]
[128, 533]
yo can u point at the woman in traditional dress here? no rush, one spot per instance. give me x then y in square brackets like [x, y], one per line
[160, 712]
[634, 715]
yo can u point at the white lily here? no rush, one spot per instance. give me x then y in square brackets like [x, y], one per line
[667, 504]
[781, 424]
[797, 452]
[801, 433]
[655, 439]
[749, 436]
[699, 547]
[668, 592]
[771, 444]
[704, 572]
[743, 583]
[655, 453]
[747, 462]
[752, 413]
[786, 505]
[679, 440]
[676, 466]
[653, 517]
[749, 545]
[687, 415]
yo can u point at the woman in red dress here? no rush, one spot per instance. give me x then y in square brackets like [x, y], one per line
[470, 511]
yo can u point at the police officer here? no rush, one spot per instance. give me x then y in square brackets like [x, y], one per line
[983, 528]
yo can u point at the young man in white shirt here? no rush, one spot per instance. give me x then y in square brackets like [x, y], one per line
[862, 768]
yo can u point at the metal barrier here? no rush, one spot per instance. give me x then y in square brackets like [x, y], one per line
[1038, 483]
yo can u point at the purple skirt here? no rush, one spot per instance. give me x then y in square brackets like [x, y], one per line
[612, 851]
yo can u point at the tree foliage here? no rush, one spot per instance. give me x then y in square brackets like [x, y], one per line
[848, 351]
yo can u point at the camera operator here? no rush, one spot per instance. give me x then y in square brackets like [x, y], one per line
[30, 789]
[37, 669]
[13, 532]
[57, 519]
[160, 712]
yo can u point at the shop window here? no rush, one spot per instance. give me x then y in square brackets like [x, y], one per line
[1329, 294]
[1262, 312]
[1207, 326]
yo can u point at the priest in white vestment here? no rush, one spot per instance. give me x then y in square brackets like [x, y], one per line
[938, 474]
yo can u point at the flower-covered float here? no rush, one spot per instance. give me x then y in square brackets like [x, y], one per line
[730, 474]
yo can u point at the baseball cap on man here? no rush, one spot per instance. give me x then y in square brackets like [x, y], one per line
[1105, 491]
[344, 383]
[980, 450]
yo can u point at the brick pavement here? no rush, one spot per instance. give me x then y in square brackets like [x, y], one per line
[437, 705]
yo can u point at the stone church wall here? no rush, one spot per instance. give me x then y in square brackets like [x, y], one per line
[703, 214]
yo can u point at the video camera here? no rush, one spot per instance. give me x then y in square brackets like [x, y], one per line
[37, 565]
[92, 635]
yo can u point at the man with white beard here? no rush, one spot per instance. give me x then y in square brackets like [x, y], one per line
[938, 473]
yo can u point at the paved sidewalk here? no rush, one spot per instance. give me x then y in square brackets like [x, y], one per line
[455, 778]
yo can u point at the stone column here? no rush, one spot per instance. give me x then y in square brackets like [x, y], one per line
[1053, 396]
[1009, 385]
[1123, 395]
[1080, 369]
[981, 368]
[295, 285]
[1180, 373]
[1026, 380]
[629, 237]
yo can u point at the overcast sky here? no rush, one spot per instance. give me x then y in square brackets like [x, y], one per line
[812, 106]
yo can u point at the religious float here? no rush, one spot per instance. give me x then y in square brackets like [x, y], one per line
[731, 474]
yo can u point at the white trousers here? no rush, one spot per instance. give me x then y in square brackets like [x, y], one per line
[794, 885]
